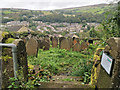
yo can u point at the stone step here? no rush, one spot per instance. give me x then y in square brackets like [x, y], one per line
[65, 82]
[63, 85]
[67, 79]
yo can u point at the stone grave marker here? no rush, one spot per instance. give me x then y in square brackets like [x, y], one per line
[22, 57]
[7, 63]
[25, 40]
[32, 47]
[60, 39]
[70, 42]
[54, 42]
[47, 39]
[46, 45]
[76, 47]
[65, 44]
[84, 45]
[40, 43]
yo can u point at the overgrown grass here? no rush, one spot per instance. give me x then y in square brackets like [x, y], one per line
[63, 62]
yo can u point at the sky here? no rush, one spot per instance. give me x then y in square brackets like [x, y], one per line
[48, 4]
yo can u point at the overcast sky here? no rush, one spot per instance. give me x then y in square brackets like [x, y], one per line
[48, 4]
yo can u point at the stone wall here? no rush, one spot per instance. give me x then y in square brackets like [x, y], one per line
[102, 78]
[113, 81]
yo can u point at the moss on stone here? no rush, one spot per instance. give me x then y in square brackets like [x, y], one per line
[4, 33]
[5, 58]
[95, 69]
[9, 40]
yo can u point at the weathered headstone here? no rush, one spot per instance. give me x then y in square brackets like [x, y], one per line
[47, 39]
[22, 57]
[54, 42]
[74, 41]
[76, 47]
[65, 44]
[46, 45]
[40, 43]
[84, 45]
[70, 42]
[60, 39]
[7, 62]
[112, 80]
[29, 36]
[32, 47]
[25, 40]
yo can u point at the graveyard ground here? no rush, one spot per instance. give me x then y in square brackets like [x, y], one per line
[62, 66]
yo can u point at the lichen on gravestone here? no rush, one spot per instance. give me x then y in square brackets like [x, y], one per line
[65, 44]
[54, 42]
[32, 47]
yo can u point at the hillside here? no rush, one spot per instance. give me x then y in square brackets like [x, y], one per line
[93, 13]
[94, 9]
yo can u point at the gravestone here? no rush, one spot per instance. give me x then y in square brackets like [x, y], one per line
[25, 40]
[29, 36]
[84, 45]
[60, 39]
[76, 47]
[47, 39]
[54, 42]
[46, 45]
[22, 57]
[32, 47]
[40, 43]
[70, 42]
[65, 44]
[112, 80]
[7, 62]
[74, 41]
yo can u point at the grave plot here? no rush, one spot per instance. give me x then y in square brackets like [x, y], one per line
[58, 67]
[62, 66]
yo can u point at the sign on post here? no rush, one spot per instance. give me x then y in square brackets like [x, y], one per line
[106, 63]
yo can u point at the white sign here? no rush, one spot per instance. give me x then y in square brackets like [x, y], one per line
[106, 63]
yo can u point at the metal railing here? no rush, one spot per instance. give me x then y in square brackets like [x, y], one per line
[14, 53]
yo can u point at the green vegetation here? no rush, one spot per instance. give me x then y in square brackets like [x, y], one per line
[93, 13]
[9, 40]
[110, 26]
[63, 62]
